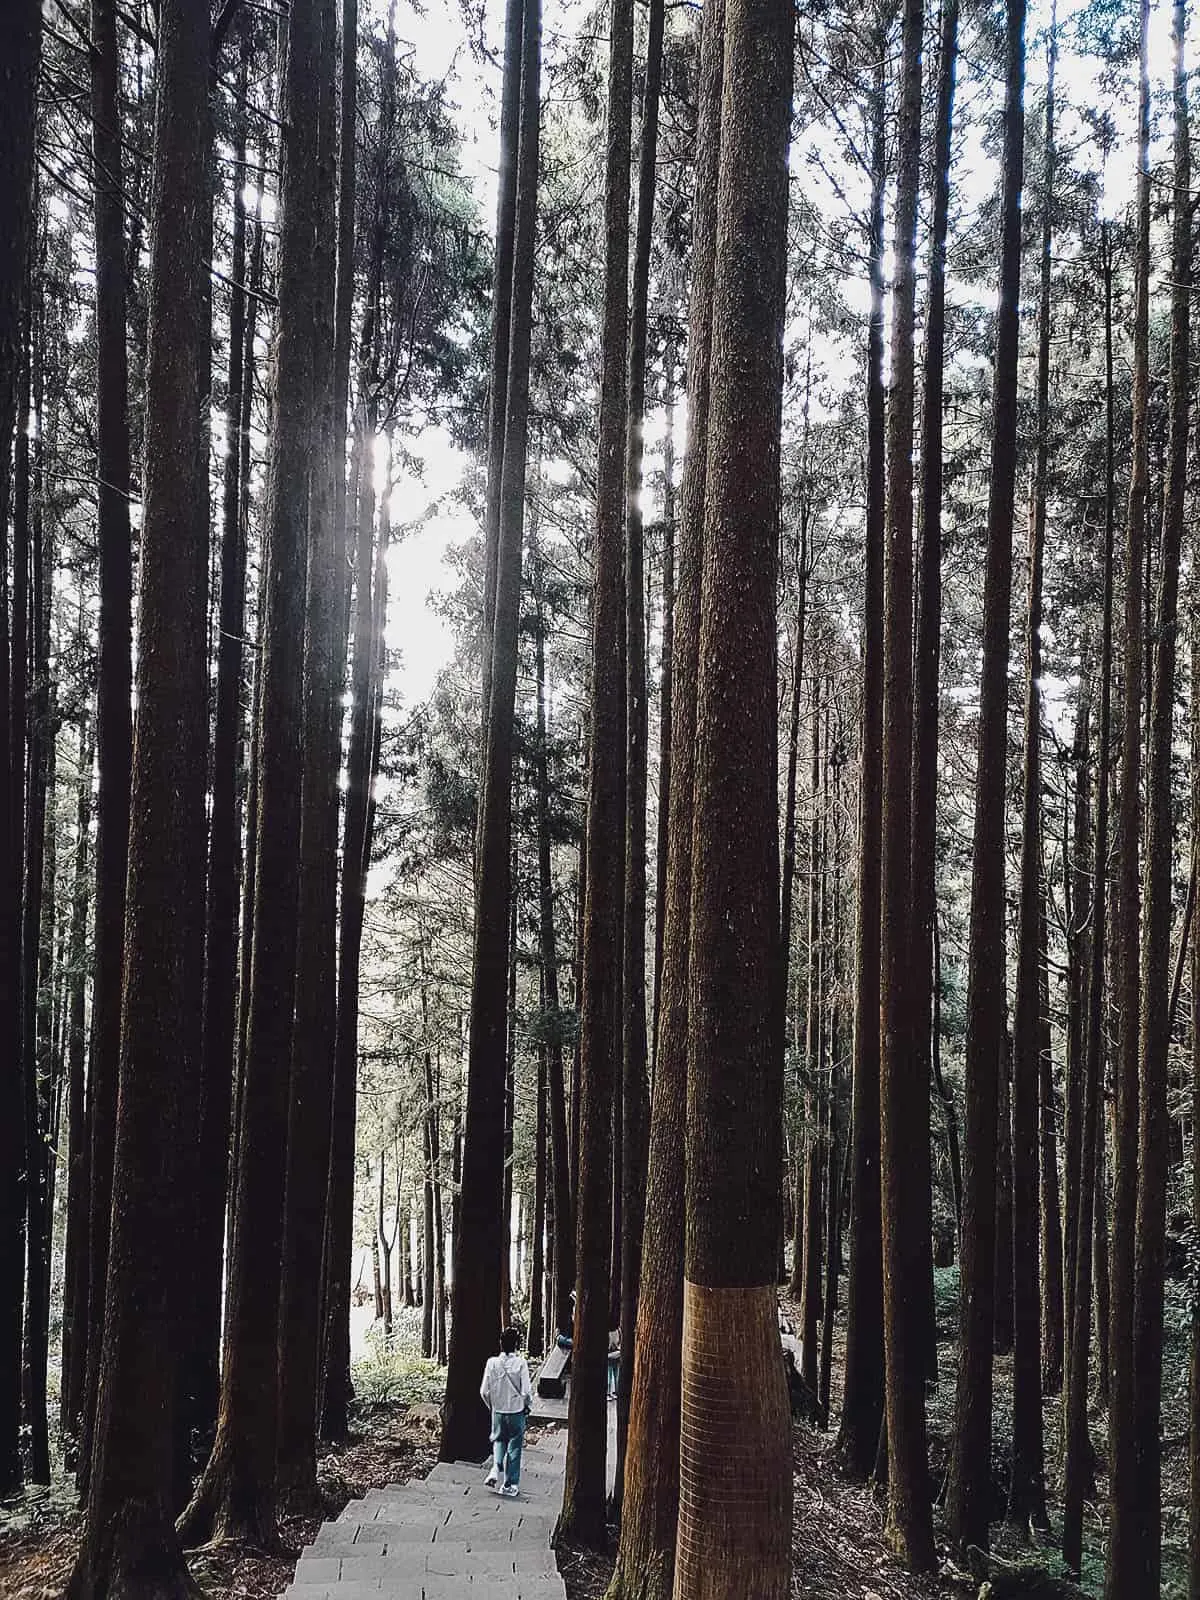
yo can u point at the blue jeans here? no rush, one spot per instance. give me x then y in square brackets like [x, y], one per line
[508, 1437]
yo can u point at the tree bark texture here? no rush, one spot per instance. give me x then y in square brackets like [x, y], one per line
[635, 1091]
[863, 1388]
[735, 1465]
[583, 1512]
[130, 1544]
[968, 1492]
[482, 1231]
[236, 1496]
[1124, 1563]
[645, 1567]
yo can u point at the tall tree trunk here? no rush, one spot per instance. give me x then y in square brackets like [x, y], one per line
[1051, 1253]
[863, 1387]
[1079, 909]
[114, 671]
[74, 1350]
[635, 1097]
[236, 1496]
[927, 658]
[315, 1025]
[650, 1510]
[1077, 1446]
[564, 1211]
[1124, 1563]
[735, 1464]
[1154, 1122]
[808, 1189]
[1002, 1319]
[20, 50]
[501, 324]
[130, 1542]
[475, 1311]
[38, 897]
[583, 1513]
[1193, 1548]
[356, 829]
[666, 686]
[1027, 1479]
[969, 1489]
[903, 1081]
[220, 958]
[537, 1271]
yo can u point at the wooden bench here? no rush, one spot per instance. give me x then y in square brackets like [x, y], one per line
[552, 1379]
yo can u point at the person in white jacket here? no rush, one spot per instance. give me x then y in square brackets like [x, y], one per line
[508, 1395]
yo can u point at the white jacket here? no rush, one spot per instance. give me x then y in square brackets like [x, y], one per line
[506, 1385]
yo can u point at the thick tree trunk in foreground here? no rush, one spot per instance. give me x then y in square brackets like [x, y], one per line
[1154, 1155]
[903, 1082]
[236, 1497]
[482, 1237]
[650, 1511]
[583, 1511]
[735, 1461]
[130, 1544]
[969, 1489]
[1124, 1563]
[862, 1393]
[114, 671]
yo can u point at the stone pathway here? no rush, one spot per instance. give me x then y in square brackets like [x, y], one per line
[446, 1538]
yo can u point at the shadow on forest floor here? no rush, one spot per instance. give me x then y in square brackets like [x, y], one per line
[391, 1441]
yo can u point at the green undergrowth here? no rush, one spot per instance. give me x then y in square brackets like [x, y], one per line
[395, 1375]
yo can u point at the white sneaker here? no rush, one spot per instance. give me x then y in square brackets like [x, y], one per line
[493, 1480]
[510, 1491]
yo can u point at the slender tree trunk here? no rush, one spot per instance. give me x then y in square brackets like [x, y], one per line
[220, 960]
[1124, 1563]
[564, 1212]
[650, 1510]
[501, 326]
[635, 1096]
[114, 671]
[1002, 1321]
[1079, 936]
[863, 1388]
[735, 1465]
[969, 1490]
[1155, 1038]
[537, 1271]
[476, 1312]
[38, 897]
[129, 1543]
[74, 1350]
[808, 1186]
[1078, 1463]
[583, 1512]
[1052, 1226]
[315, 1025]
[1193, 1549]
[666, 687]
[20, 49]
[904, 1082]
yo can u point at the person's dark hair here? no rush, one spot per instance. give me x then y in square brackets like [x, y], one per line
[509, 1340]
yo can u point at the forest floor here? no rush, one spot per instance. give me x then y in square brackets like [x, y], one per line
[840, 1551]
[394, 1437]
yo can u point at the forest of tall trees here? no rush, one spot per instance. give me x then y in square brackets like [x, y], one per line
[600, 733]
